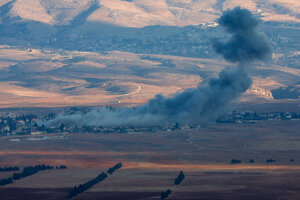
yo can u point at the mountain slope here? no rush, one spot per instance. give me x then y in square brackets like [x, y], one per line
[51, 12]
[140, 13]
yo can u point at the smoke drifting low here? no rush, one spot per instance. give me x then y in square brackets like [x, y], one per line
[203, 104]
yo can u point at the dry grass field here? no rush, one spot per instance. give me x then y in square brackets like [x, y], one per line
[152, 161]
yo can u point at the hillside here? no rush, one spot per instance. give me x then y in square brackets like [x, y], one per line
[89, 52]
[140, 13]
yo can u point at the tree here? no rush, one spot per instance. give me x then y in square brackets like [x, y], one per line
[166, 194]
[179, 179]
[62, 127]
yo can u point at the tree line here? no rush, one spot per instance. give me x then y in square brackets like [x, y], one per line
[83, 187]
[9, 169]
[114, 168]
[6, 181]
[27, 171]
[101, 177]
[234, 161]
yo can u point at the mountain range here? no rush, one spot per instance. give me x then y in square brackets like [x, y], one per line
[140, 13]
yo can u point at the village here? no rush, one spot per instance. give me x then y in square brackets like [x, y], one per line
[12, 124]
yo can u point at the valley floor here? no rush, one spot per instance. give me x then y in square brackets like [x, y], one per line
[152, 161]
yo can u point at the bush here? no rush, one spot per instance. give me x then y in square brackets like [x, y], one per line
[270, 161]
[61, 167]
[233, 161]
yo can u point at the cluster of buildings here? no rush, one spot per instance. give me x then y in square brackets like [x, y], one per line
[11, 124]
[252, 117]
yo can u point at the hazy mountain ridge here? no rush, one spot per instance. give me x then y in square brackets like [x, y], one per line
[47, 11]
[139, 13]
[59, 24]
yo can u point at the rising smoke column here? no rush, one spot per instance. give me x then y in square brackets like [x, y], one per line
[202, 104]
[246, 44]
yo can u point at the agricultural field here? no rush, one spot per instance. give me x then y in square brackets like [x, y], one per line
[151, 162]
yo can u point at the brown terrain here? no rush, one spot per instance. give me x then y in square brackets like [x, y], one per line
[152, 161]
[50, 59]
[117, 78]
[38, 72]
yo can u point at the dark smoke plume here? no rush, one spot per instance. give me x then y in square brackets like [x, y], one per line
[203, 104]
[246, 44]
